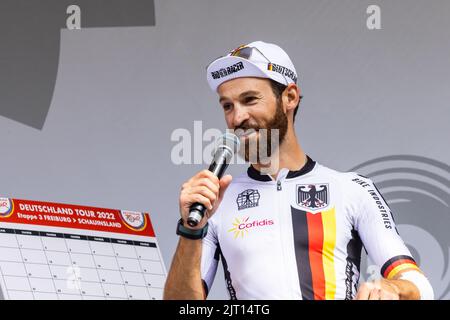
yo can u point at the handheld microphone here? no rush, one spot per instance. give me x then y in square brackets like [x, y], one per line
[229, 144]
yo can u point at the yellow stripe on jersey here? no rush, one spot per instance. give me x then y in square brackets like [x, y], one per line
[329, 243]
[401, 267]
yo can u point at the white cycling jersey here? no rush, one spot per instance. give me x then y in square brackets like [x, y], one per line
[300, 237]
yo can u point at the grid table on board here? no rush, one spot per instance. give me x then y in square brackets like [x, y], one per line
[53, 265]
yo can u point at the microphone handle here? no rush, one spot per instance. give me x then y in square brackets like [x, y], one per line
[218, 167]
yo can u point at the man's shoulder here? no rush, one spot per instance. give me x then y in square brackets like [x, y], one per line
[354, 189]
[352, 180]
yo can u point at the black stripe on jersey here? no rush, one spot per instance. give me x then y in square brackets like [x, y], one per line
[205, 288]
[392, 260]
[301, 244]
[228, 281]
[217, 253]
[309, 165]
[256, 175]
[354, 248]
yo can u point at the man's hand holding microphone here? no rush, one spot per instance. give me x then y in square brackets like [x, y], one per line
[204, 188]
[201, 195]
[199, 198]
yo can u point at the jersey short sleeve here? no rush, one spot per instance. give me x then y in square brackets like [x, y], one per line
[210, 257]
[378, 232]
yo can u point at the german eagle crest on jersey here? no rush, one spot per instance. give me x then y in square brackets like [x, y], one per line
[313, 196]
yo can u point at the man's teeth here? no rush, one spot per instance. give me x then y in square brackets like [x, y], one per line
[247, 133]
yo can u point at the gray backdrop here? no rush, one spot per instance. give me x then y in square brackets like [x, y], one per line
[121, 89]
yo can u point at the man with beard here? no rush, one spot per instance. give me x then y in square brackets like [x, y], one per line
[288, 228]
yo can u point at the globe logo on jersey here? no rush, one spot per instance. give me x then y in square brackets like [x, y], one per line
[313, 196]
[248, 199]
[134, 220]
[6, 207]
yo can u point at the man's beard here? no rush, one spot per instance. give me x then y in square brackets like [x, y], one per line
[271, 135]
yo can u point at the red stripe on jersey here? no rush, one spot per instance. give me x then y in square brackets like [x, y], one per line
[315, 237]
[397, 263]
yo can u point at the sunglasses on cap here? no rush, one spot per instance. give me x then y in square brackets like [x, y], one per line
[248, 53]
[251, 54]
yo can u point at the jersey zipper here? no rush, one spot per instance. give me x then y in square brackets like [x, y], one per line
[280, 207]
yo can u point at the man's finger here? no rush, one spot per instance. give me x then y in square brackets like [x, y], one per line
[375, 294]
[386, 295]
[224, 183]
[208, 183]
[200, 199]
[207, 174]
[204, 191]
[364, 291]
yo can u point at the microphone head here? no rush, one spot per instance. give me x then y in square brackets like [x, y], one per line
[230, 141]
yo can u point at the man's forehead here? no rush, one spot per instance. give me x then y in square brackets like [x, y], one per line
[239, 87]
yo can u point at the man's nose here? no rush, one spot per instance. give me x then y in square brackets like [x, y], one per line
[240, 115]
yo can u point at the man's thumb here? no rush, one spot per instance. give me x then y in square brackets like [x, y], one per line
[224, 182]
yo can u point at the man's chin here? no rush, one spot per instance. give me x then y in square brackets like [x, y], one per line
[268, 165]
[255, 157]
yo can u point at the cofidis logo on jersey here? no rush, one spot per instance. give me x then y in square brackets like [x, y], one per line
[242, 227]
[6, 207]
[135, 221]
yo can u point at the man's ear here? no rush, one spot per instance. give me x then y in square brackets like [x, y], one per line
[291, 97]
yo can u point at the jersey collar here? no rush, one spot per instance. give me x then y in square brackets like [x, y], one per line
[256, 175]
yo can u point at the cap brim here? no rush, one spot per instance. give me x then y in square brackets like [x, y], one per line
[231, 67]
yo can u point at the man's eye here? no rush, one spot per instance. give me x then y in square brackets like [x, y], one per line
[227, 106]
[250, 99]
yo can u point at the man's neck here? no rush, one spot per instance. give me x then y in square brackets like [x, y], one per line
[290, 155]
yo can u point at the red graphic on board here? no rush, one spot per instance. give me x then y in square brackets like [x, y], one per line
[74, 216]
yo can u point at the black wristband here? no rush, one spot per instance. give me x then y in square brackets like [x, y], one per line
[190, 233]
